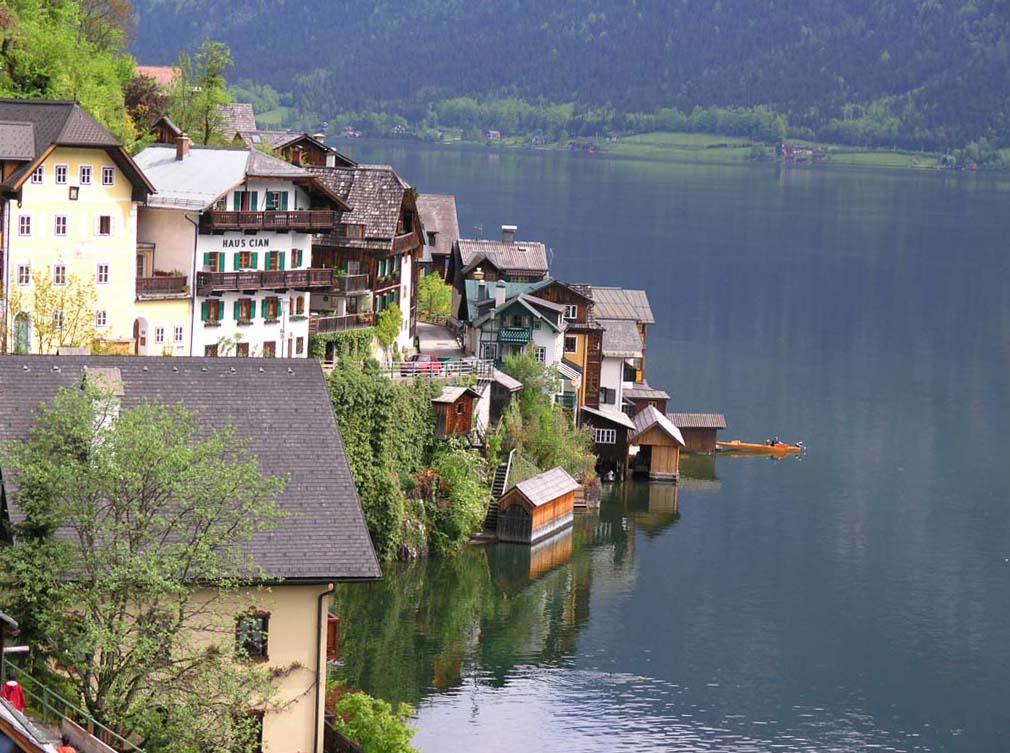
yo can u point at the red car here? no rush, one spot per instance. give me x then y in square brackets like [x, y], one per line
[421, 363]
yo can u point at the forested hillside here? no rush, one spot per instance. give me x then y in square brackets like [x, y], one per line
[922, 73]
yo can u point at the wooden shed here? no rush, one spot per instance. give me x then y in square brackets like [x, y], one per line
[538, 507]
[454, 411]
[611, 429]
[698, 429]
[659, 442]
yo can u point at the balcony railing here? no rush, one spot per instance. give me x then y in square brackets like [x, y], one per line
[158, 287]
[515, 334]
[320, 325]
[208, 283]
[351, 283]
[566, 400]
[405, 242]
[305, 221]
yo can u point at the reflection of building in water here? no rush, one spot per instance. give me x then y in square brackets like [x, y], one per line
[515, 566]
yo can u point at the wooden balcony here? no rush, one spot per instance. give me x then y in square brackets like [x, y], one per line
[405, 242]
[320, 325]
[208, 283]
[351, 283]
[302, 221]
[167, 286]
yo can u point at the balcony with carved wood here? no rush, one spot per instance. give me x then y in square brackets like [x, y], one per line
[301, 221]
[209, 283]
[162, 287]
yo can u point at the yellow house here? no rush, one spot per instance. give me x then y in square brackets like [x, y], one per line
[69, 196]
[281, 618]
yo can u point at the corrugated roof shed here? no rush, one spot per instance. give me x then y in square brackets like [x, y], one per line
[236, 117]
[650, 417]
[324, 537]
[547, 486]
[438, 215]
[618, 303]
[621, 338]
[698, 420]
[516, 256]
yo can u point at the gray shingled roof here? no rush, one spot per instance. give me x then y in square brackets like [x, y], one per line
[324, 538]
[375, 194]
[438, 215]
[547, 486]
[614, 416]
[238, 116]
[651, 417]
[17, 141]
[698, 420]
[621, 338]
[514, 256]
[618, 303]
[452, 394]
[645, 392]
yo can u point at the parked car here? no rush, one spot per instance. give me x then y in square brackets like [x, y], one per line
[421, 364]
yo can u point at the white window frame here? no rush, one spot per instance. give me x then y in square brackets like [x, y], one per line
[62, 269]
[575, 340]
[99, 268]
[59, 321]
[62, 174]
[540, 353]
[39, 175]
[98, 226]
[159, 335]
[110, 172]
[24, 226]
[82, 171]
[101, 319]
[24, 275]
[178, 334]
[571, 311]
[605, 436]
[489, 351]
[56, 225]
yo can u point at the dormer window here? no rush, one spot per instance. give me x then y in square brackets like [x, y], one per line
[571, 312]
[277, 200]
[431, 237]
[244, 201]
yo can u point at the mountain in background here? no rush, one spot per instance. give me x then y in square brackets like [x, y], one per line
[922, 73]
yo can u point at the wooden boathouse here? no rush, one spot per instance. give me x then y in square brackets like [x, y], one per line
[659, 444]
[538, 507]
[698, 429]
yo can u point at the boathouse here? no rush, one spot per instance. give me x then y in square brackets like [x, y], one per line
[659, 444]
[454, 411]
[538, 507]
[698, 429]
[610, 439]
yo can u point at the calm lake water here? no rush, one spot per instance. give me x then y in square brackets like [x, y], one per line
[855, 599]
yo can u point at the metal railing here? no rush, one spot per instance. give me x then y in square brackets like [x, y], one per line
[51, 706]
[443, 370]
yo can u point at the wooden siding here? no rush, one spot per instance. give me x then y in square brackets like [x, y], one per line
[450, 422]
[521, 522]
[698, 440]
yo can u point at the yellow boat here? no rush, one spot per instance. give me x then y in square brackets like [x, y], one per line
[753, 448]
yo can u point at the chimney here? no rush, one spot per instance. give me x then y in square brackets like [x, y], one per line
[181, 147]
[499, 295]
[508, 233]
[481, 291]
[478, 274]
[320, 137]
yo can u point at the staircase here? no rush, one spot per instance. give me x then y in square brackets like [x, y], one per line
[498, 487]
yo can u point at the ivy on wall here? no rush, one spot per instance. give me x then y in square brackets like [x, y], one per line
[355, 344]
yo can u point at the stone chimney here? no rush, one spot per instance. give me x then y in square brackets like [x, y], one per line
[499, 295]
[508, 233]
[181, 147]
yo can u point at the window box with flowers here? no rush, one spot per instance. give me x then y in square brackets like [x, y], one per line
[298, 318]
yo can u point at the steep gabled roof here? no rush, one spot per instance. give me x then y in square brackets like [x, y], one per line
[531, 303]
[375, 195]
[512, 256]
[323, 536]
[280, 139]
[438, 214]
[651, 417]
[236, 117]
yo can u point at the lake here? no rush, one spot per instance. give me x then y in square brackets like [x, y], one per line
[856, 598]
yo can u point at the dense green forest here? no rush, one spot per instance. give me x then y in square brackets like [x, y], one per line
[914, 73]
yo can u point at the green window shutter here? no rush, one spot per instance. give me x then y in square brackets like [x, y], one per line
[237, 310]
[205, 311]
[237, 201]
[281, 266]
[237, 257]
[252, 200]
[207, 260]
[284, 201]
[252, 309]
[255, 259]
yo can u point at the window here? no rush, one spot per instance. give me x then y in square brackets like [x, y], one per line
[296, 258]
[58, 320]
[244, 201]
[571, 344]
[141, 265]
[541, 354]
[275, 260]
[489, 351]
[214, 261]
[59, 274]
[25, 225]
[159, 335]
[102, 274]
[212, 311]
[39, 174]
[251, 629]
[608, 395]
[249, 732]
[177, 334]
[60, 225]
[210, 351]
[244, 260]
[101, 319]
[245, 309]
[299, 345]
[297, 305]
[85, 175]
[277, 200]
[270, 350]
[241, 350]
[61, 175]
[606, 436]
[108, 176]
[271, 308]
[24, 274]
[431, 237]
[460, 408]
[105, 224]
[571, 312]
[73, 193]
